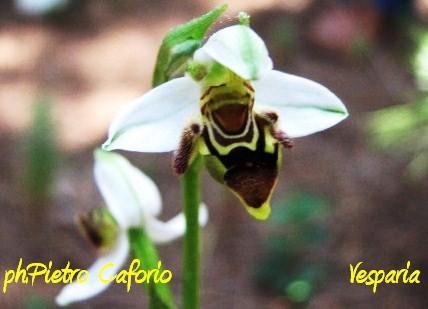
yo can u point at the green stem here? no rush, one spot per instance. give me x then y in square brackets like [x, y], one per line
[160, 296]
[190, 187]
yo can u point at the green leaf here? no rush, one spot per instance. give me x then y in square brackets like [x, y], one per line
[144, 250]
[41, 153]
[180, 43]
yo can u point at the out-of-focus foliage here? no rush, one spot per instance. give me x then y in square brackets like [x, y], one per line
[284, 35]
[289, 266]
[179, 45]
[35, 301]
[404, 128]
[420, 61]
[41, 155]
[401, 127]
[361, 48]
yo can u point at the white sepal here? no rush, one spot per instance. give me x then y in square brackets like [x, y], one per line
[153, 122]
[304, 106]
[163, 232]
[129, 194]
[75, 291]
[241, 50]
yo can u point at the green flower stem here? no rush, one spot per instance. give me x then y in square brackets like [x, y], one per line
[190, 187]
[160, 296]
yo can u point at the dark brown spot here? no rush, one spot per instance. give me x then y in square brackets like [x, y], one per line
[231, 118]
[196, 128]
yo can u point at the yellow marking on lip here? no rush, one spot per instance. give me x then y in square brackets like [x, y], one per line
[224, 150]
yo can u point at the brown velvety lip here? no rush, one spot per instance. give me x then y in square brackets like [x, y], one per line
[231, 118]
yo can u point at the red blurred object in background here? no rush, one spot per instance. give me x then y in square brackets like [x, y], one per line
[339, 29]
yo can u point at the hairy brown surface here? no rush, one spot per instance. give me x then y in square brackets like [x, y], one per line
[184, 152]
[252, 182]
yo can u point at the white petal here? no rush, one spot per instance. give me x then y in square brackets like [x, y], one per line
[153, 122]
[241, 50]
[130, 195]
[304, 106]
[74, 291]
[163, 232]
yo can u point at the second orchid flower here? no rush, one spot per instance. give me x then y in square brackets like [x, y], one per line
[133, 200]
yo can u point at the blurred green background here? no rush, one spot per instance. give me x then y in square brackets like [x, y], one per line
[357, 192]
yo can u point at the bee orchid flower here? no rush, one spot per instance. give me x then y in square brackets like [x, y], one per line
[235, 110]
[133, 200]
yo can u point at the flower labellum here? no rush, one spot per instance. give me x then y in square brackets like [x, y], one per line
[235, 110]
